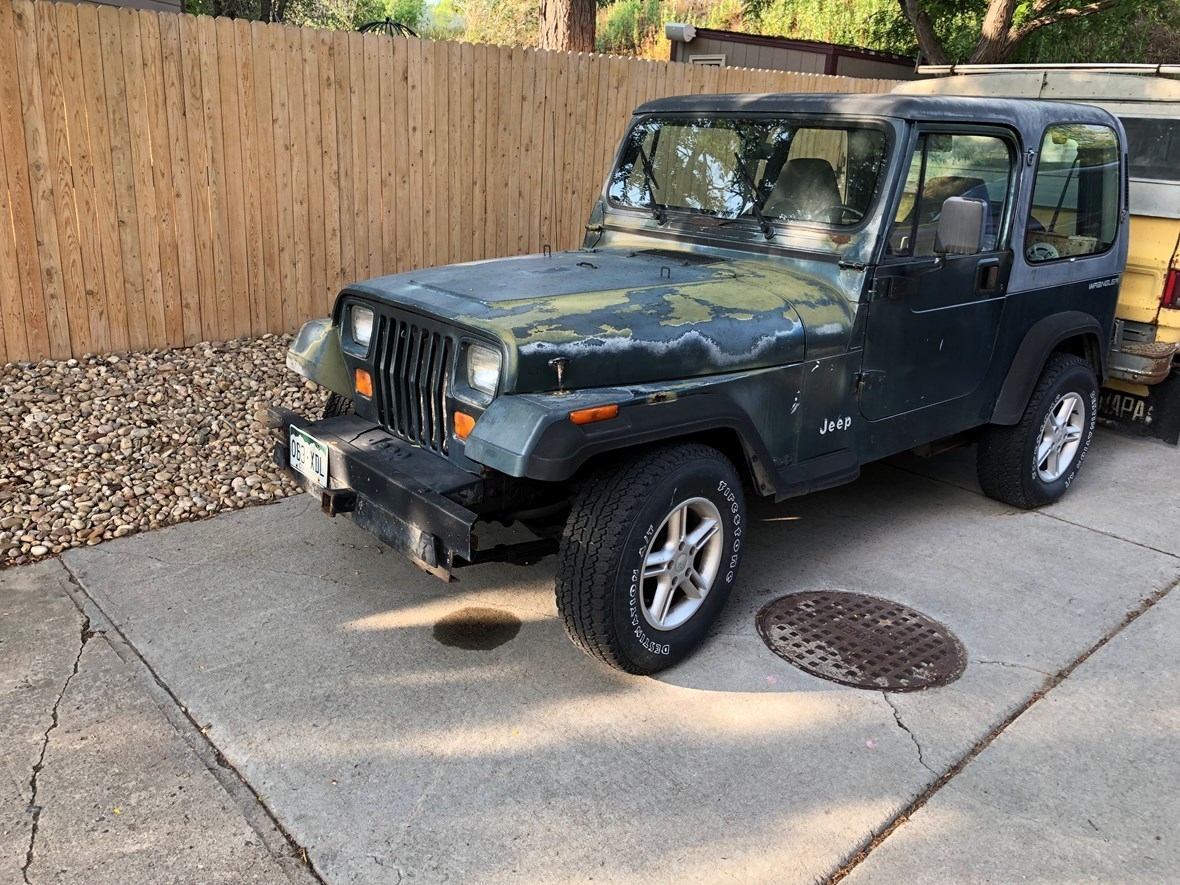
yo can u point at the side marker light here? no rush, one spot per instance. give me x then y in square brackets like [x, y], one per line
[597, 413]
[463, 425]
[364, 382]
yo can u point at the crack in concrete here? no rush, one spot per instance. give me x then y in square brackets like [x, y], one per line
[435, 776]
[1051, 682]
[905, 728]
[151, 557]
[192, 735]
[33, 808]
[248, 568]
[1108, 534]
[397, 871]
[1015, 666]
[1044, 513]
[188, 564]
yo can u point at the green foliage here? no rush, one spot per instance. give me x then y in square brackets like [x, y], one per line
[503, 22]
[442, 21]
[957, 22]
[1133, 31]
[636, 27]
[1147, 31]
[328, 14]
[1140, 31]
[633, 26]
[846, 22]
[623, 26]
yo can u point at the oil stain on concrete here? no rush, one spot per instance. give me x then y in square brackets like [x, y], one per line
[477, 628]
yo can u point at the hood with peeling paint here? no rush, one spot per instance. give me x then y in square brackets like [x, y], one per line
[621, 316]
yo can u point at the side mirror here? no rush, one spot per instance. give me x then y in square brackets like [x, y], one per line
[960, 227]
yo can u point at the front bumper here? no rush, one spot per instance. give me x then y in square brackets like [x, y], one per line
[404, 496]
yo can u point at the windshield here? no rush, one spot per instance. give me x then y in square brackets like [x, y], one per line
[773, 172]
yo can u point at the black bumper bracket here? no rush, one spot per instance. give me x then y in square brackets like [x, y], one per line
[333, 501]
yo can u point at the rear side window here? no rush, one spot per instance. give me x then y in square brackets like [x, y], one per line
[1154, 147]
[1076, 195]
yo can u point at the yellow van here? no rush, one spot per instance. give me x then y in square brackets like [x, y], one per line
[1144, 387]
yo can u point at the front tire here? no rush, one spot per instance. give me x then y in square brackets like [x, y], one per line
[1034, 462]
[649, 555]
[338, 405]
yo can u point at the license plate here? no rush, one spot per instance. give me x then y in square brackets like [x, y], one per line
[309, 456]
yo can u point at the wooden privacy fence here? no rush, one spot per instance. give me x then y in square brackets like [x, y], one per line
[169, 179]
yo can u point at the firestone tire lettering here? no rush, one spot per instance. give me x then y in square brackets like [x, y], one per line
[602, 593]
[1008, 456]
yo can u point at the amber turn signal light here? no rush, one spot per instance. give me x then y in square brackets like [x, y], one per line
[598, 413]
[463, 424]
[364, 383]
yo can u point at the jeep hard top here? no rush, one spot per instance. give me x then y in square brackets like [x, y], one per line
[1142, 391]
[773, 291]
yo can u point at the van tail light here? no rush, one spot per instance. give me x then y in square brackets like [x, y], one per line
[1171, 297]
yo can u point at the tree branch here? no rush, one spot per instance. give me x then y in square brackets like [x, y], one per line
[1015, 35]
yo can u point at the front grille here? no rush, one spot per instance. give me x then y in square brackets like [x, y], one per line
[414, 363]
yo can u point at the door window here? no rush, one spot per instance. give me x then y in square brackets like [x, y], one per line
[944, 164]
[1076, 196]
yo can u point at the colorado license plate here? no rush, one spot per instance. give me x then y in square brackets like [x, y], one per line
[309, 456]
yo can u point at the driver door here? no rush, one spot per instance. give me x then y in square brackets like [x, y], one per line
[933, 318]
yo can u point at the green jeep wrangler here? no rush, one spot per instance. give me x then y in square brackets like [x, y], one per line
[773, 291]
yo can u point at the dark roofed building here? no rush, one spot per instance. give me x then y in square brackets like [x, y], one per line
[705, 46]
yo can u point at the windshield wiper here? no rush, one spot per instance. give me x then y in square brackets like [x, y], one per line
[649, 181]
[755, 203]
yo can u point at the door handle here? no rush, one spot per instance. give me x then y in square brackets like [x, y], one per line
[987, 276]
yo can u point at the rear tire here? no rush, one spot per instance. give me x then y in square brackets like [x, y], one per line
[649, 555]
[1034, 462]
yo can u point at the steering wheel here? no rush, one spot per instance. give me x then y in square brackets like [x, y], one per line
[1040, 252]
[842, 209]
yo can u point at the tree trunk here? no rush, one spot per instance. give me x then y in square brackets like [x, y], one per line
[991, 51]
[994, 43]
[568, 25]
[999, 35]
[930, 48]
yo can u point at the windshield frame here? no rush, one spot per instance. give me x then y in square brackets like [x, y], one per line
[846, 241]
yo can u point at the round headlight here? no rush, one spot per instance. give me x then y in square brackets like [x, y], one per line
[483, 369]
[362, 324]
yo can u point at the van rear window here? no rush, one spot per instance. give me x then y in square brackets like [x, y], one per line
[1153, 144]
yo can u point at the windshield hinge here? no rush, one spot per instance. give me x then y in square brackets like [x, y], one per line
[852, 265]
[866, 379]
[881, 288]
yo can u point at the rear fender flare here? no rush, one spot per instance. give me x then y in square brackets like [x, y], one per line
[1039, 342]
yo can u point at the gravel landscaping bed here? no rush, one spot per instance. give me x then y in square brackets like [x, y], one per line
[105, 446]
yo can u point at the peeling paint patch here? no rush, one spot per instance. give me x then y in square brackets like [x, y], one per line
[615, 332]
[711, 352]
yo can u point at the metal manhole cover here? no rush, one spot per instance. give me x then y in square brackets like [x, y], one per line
[861, 641]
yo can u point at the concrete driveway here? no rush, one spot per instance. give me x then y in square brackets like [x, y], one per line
[308, 655]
